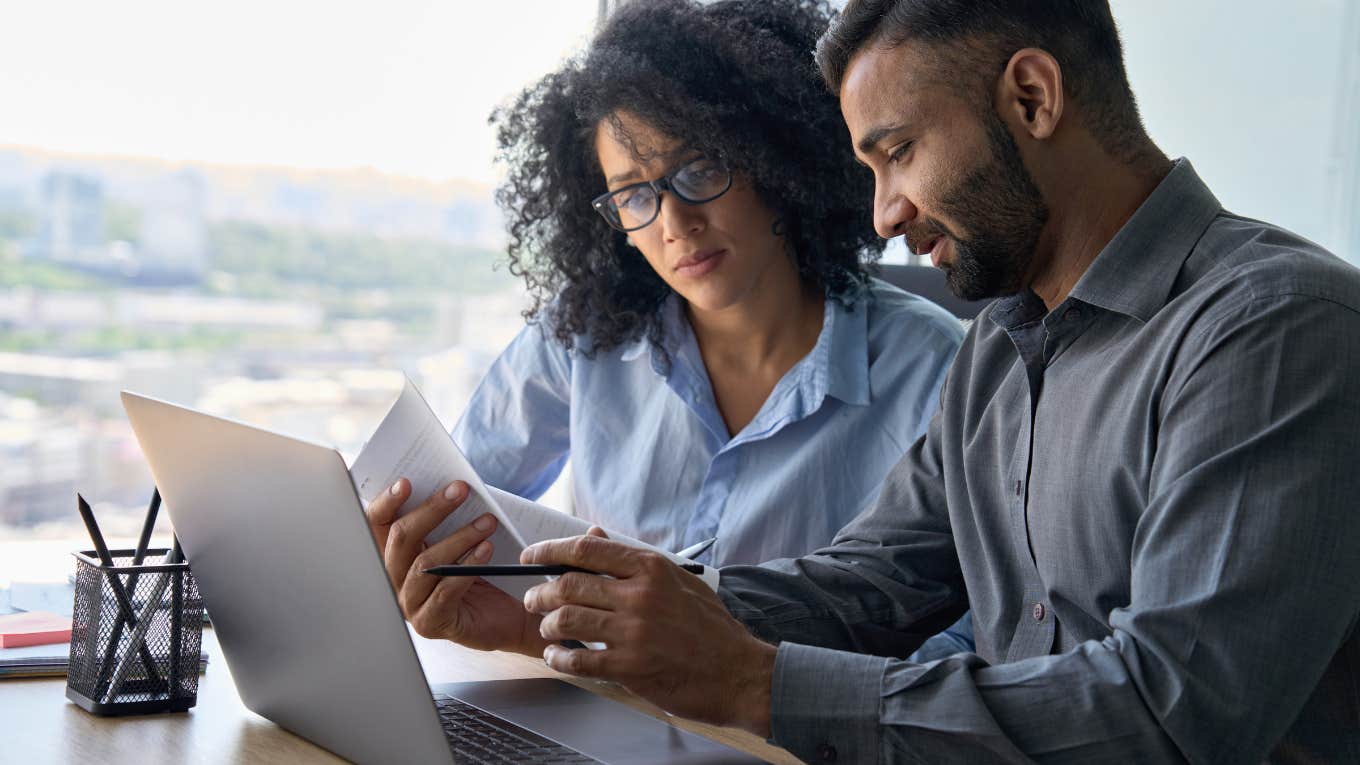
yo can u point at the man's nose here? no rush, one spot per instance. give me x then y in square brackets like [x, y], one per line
[893, 212]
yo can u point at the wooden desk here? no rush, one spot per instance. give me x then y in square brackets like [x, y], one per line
[38, 725]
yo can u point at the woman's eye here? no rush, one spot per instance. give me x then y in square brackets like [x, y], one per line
[702, 169]
[631, 200]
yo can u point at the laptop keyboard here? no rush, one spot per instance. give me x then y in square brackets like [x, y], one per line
[481, 737]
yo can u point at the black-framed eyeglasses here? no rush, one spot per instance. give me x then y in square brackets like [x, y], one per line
[637, 204]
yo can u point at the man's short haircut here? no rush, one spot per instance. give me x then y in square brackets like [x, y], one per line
[974, 39]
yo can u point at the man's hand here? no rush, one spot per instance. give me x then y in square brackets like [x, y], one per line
[669, 639]
[463, 609]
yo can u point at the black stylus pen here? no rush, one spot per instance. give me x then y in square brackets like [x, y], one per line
[526, 569]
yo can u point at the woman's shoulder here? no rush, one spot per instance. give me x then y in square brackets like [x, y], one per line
[541, 341]
[896, 316]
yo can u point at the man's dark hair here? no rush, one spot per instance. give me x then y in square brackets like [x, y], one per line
[975, 38]
[733, 80]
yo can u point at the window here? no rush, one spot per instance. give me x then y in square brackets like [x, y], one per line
[266, 210]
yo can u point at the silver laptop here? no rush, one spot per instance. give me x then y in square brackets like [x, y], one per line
[309, 624]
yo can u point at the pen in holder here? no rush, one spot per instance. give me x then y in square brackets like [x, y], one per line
[135, 634]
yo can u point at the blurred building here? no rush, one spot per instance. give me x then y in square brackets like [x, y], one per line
[172, 245]
[41, 457]
[59, 380]
[71, 230]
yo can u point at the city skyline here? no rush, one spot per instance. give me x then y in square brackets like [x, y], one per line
[1253, 97]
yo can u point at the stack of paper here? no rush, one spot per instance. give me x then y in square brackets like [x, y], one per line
[38, 643]
[49, 661]
[34, 628]
[35, 661]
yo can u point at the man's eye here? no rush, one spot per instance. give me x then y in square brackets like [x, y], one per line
[899, 152]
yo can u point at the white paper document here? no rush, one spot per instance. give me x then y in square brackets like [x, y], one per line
[411, 443]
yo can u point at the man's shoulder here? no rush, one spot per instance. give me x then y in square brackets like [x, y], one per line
[1249, 261]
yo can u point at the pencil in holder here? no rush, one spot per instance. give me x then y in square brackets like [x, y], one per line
[136, 632]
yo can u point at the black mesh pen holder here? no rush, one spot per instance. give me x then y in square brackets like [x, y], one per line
[136, 632]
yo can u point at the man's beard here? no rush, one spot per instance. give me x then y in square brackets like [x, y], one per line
[1000, 202]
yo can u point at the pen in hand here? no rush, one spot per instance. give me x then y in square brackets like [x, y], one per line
[526, 569]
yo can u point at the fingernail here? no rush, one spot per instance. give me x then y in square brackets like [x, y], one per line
[396, 487]
[484, 523]
[483, 551]
[453, 491]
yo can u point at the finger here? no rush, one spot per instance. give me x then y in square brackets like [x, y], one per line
[432, 512]
[596, 531]
[439, 607]
[458, 544]
[591, 552]
[466, 545]
[577, 623]
[573, 589]
[581, 662]
[406, 535]
[383, 509]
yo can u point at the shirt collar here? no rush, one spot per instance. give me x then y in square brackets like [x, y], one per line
[837, 366]
[674, 333]
[1135, 272]
[842, 351]
[633, 350]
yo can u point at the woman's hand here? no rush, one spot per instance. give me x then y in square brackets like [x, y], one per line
[463, 609]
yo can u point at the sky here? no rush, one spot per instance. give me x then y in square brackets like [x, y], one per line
[1245, 88]
[404, 86]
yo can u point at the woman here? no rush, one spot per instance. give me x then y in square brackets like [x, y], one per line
[706, 346]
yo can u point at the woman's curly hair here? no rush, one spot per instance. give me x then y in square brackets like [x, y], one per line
[733, 79]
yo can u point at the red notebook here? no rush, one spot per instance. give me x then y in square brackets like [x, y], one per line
[34, 628]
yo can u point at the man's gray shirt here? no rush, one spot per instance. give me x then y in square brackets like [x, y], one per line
[1148, 497]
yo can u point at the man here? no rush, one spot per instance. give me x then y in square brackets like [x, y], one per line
[1140, 477]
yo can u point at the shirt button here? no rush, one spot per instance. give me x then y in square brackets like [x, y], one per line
[826, 753]
[1038, 612]
[1072, 314]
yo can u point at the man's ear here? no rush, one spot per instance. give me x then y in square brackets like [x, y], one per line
[1030, 92]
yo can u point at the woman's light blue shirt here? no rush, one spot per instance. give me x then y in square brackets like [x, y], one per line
[652, 457]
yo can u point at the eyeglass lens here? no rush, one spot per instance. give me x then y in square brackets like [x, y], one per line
[699, 181]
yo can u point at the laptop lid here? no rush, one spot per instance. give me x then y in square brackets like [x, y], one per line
[302, 607]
